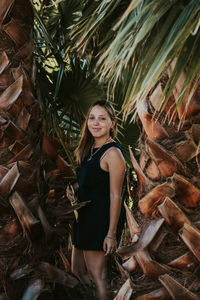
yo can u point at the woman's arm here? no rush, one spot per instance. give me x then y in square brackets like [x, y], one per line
[116, 167]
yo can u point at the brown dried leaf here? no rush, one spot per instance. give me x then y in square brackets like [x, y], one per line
[131, 264]
[53, 274]
[186, 150]
[143, 159]
[191, 237]
[167, 163]
[16, 147]
[176, 290]
[143, 182]
[148, 204]
[4, 61]
[23, 119]
[195, 129]
[2, 121]
[158, 239]
[172, 214]
[170, 107]
[147, 235]
[15, 31]
[153, 171]
[189, 106]
[124, 274]
[10, 95]
[160, 294]
[184, 262]
[27, 93]
[132, 224]
[31, 226]
[186, 192]
[150, 267]
[25, 168]
[48, 230]
[125, 291]
[9, 181]
[156, 96]
[153, 128]
[24, 154]
[6, 79]
[5, 6]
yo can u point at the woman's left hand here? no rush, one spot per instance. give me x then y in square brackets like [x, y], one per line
[109, 245]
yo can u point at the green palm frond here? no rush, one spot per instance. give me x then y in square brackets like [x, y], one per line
[66, 95]
[78, 91]
[61, 15]
[146, 37]
[128, 131]
[66, 85]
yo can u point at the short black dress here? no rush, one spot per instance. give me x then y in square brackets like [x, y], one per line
[92, 226]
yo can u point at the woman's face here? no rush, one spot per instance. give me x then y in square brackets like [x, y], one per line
[99, 122]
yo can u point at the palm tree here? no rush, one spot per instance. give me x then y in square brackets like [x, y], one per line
[35, 215]
[153, 48]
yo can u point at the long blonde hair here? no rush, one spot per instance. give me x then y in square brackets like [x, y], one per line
[87, 140]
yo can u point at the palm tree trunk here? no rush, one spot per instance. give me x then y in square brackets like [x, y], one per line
[19, 145]
[28, 244]
[166, 238]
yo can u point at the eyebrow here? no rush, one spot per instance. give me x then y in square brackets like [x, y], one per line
[98, 115]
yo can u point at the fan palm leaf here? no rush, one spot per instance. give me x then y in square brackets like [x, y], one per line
[66, 84]
[147, 36]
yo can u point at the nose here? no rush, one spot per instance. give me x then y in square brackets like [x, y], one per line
[96, 121]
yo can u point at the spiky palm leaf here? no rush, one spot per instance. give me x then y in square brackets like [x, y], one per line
[146, 36]
[70, 84]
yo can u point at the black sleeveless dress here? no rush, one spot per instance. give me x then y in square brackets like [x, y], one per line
[90, 229]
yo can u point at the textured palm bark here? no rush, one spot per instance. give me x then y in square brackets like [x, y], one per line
[20, 134]
[155, 295]
[168, 187]
[19, 144]
[34, 218]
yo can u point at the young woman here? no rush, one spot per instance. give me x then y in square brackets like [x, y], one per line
[100, 173]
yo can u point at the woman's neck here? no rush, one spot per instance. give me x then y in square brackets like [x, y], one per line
[98, 142]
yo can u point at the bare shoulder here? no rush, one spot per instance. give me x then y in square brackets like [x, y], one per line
[115, 154]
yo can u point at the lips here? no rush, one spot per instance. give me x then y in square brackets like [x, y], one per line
[96, 129]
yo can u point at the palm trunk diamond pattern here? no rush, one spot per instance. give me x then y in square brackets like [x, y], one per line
[164, 221]
[32, 261]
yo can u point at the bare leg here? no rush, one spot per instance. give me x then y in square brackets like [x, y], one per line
[96, 265]
[79, 268]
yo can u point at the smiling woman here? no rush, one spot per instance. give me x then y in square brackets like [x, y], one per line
[94, 234]
[99, 123]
